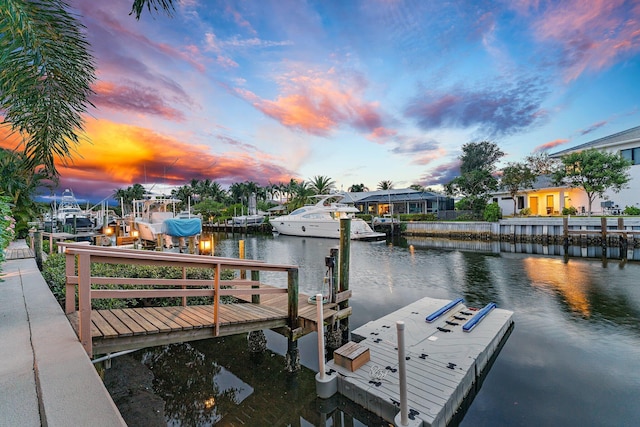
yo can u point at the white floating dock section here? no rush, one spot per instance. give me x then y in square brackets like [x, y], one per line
[443, 362]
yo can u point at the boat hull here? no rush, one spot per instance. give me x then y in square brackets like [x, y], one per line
[324, 228]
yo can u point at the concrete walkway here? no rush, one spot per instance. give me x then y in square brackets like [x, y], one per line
[46, 378]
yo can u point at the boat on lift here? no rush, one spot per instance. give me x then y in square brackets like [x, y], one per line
[156, 216]
[323, 220]
[67, 213]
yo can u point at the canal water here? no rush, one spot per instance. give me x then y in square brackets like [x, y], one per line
[573, 358]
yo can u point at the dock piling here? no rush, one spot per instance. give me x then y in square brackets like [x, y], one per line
[402, 367]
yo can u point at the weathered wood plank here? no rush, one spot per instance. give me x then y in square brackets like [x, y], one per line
[149, 317]
[121, 328]
[106, 330]
[172, 321]
[148, 327]
[125, 316]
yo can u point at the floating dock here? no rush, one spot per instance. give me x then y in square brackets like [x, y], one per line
[445, 355]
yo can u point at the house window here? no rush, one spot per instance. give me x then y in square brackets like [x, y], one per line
[632, 154]
[520, 202]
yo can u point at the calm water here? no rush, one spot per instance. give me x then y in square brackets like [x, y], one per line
[573, 358]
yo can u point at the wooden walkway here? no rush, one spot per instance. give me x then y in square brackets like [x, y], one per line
[132, 328]
[257, 305]
[19, 251]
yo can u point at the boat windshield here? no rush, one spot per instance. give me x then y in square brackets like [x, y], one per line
[298, 211]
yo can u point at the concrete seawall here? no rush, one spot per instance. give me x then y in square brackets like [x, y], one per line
[583, 230]
[46, 377]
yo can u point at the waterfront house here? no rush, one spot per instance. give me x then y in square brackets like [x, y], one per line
[400, 201]
[547, 199]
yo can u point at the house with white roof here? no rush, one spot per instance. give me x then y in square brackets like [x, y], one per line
[546, 199]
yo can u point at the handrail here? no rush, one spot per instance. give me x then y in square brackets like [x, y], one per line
[83, 280]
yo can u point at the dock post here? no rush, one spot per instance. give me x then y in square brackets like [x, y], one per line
[243, 273]
[326, 386]
[344, 254]
[603, 230]
[255, 277]
[402, 418]
[293, 354]
[37, 244]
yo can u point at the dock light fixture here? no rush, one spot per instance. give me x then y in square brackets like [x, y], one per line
[205, 246]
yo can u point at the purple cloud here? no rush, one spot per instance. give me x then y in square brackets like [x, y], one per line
[593, 128]
[498, 110]
[442, 174]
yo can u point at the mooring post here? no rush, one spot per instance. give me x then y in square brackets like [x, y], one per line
[344, 254]
[293, 355]
[326, 384]
[333, 254]
[603, 230]
[243, 273]
[320, 330]
[402, 368]
[255, 277]
[37, 244]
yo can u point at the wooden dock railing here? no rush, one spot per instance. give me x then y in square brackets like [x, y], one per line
[84, 256]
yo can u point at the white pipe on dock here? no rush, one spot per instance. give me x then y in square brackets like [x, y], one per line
[402, 368]
[320, 327]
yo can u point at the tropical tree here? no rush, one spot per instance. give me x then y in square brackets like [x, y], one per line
[385, 185]
[128, 195]
[515, 178]
[358, 188]
[19, 183]
[322, 184]
[541, 163]
[46, 78]
[476, 180]
[593, 171]
[417, 187]
[46, 72]
[301, 193]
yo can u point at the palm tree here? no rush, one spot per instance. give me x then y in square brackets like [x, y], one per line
[322, 184]
[385, 185]
[47, 72]
[417, 187]
[19, 183]
[358, 188]
[301, 192]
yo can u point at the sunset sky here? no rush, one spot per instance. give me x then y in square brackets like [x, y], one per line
[360, 91]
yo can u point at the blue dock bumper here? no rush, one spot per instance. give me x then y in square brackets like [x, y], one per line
[433, 316]
[478, 317]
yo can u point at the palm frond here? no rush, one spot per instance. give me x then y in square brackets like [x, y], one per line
[46, 72]
[152, 5]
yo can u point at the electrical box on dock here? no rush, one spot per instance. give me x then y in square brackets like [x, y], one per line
[351, 356]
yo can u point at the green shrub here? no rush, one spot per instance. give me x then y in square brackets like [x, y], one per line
[525, 211]
[492, 212]
[631, 210]
[53, 271]
[569, 211]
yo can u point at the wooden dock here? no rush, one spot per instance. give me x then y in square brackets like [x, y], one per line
[132, 328]
[444, 363]
[256, 305]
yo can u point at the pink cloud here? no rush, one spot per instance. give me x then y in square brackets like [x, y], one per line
[549, 145]
[593, 34]
[318, 105]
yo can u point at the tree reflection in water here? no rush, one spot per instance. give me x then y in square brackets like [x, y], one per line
[185, 380]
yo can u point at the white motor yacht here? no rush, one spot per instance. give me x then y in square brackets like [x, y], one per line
[323, 220]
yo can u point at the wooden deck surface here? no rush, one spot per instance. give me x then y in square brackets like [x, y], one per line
[130, 328]
[19, 252]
